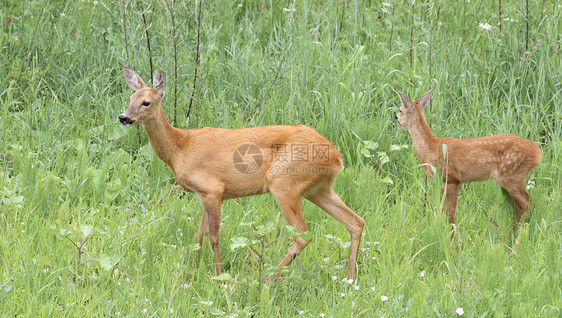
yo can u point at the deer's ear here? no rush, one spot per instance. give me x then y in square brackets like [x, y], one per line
[159, 82]
[134, 81]
[406, 102]
[424, 100]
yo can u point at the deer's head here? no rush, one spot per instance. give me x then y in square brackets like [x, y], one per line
[145, 102]
[411, 111]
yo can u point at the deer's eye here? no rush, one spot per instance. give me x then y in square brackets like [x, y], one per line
[145, 104]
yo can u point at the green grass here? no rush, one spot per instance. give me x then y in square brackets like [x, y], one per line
[66, 163]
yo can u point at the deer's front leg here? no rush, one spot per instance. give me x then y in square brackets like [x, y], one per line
[451, 198]
[211, 223]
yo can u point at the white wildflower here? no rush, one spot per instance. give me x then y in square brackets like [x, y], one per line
[459, 311]
[334, 277]
[485, 26]
[422, 274]
[384, 298]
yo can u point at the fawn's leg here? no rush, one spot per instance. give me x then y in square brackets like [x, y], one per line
[451, 199]
[520, 199]
[329, 201]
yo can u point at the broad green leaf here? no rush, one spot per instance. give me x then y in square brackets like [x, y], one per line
[366, 153]
[397, 147]
[239, 242]
[108, 262]
[147, 151]
[15, 200]
[216, 312]
[116, 131]
[225, 277]
[304, 235]
[383, 157]
[86, 230]
[265, 228]
[387, 180]
[371, 144]
[206, 304]
[247, 224]
[5, 289]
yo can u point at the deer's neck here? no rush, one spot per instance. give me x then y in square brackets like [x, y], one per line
[425, 143]
[164, 139]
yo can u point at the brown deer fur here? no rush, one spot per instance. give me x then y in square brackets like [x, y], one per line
[506, 158]
[202, 162]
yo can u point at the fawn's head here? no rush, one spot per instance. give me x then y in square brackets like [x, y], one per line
[411, 111]
[145, 102]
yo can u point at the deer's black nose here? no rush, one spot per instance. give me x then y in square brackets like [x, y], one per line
[125, 120]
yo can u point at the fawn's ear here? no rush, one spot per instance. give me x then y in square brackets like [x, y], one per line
[134, 81]
[424, 100]
[159, 82]
[406, 102]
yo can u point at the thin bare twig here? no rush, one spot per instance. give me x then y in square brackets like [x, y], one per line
[257, 106]
[175, 59]
[275, 240]
[391, 29]
[343, 14]
[285, 49]
[412, 34]
[527, 25]
[196, 58]
[125, 30]
[500, 14]
[148, 44]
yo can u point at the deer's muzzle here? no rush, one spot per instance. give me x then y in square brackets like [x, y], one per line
[125, 120]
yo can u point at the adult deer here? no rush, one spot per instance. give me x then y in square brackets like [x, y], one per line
[290, 162]
[506, 158]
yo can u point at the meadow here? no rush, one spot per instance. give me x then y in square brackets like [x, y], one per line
[93, 224]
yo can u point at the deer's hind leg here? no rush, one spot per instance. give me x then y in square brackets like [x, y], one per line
[329, 201]
[289, 202]
[520, 201]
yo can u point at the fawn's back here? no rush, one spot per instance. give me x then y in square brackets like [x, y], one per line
[490, 157]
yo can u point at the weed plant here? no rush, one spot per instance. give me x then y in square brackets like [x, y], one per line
[69, 171]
